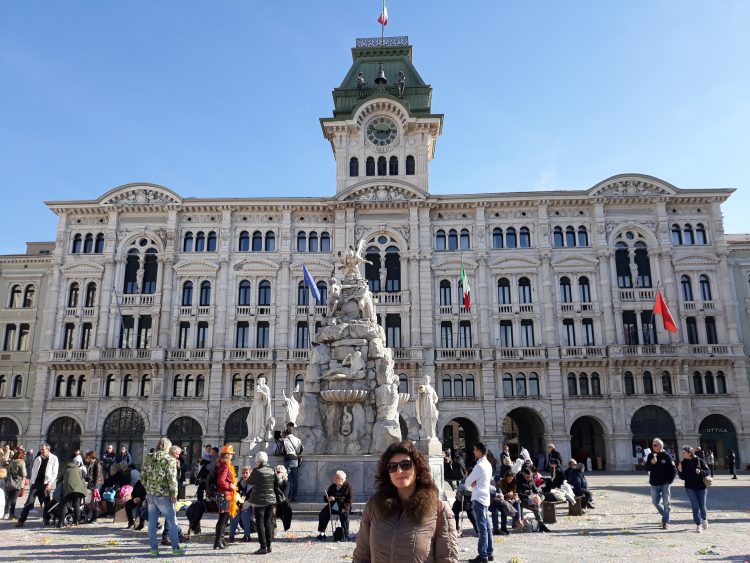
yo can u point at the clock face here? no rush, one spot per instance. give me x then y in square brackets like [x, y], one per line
[381, 131]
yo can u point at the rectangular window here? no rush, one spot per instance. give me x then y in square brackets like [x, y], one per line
[23, 337]
[629, 328]
[506, 334]
[649, 327]
[201, 337]
[393, 331]
[569, 332]
[183, 336]
[127, 331]
[303, 335]
[692, 330]
[242, 337]
[588, 332]
[262, 335]
[464, 334]
[10, 338]
[711, 336]
[527, 333]
[446, 335]
[86, 336]
[144, 332]
[68, 336]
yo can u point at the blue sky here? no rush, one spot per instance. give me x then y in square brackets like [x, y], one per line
[220, 98]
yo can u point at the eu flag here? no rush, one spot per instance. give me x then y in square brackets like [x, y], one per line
[310, 282]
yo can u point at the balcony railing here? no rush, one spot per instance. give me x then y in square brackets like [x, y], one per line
[699, 305]
[139, 299]
[525, 353]
[88, 312]
[191, 354]
[402, 354]
[248, 354]
[126, 354]
[635, 294]
[391, 297]
[299, 354]
[69, 355]
[457, 353]
[582, 351]
[253, 310]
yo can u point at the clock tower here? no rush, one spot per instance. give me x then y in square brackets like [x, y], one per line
[383, 131]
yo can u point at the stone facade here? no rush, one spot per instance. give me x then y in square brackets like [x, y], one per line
[155, 314]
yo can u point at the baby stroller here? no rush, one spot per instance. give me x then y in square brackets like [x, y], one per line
[63, 511]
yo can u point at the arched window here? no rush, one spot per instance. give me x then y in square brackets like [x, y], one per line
[447, 386]
[205, 297]
[15, 297]
[17, 385]
[189, 386]
[393, 166]
[200, 241]
[700, 234]
[90, 295]
[440, 240]
[596, 385]
[687, 288]
[570, 237]
[566, 295]
[710, 387]
[465, 239]
[177, 387]
[301, 241]
[403, 383]
[643, 264]
[524, 290]
[244, 242]
[211, 242]
[145, 390]
[187, 244]
[28, 295]
[524, 237]
[127, 383]
[584, 289]
[583, 236]
[88, 244]
[572, 385]
[507, 385]
[458, 386]
[410, 166]
[270, 241]
[510, 237]
[497, 237]
[557, 237]
[70, 386]
[666, 383]
[81, 385]
[303, 295]
[705, 284]
[445, 293]
[187, 294]
[697, 383]
[313, 241]
[648, 383]
[264, 293]
[243, 296]
[370, 166]
[325, 242]
[469, 384]
[109, 385]
[452, 239]
[629, 383]
[257, 244]
[354, 166]
[59, 384]
[99, 246]
[688, 234]
[503, 291]
[73, 294]
[299, 383]
[721, 383]
[533, 384]
[237, 385]
[249, 386]
[77, 244]
[676, 235]
[150, 271]
[583, 384]
[382, 166]
[323, 290]
[520, 385]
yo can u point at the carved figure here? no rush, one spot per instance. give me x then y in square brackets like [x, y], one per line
[427, 413]
[351, 367]
[383, 277]
[291, 406]
[367, 307]
[351, 260]
[401, 84]
[361, 83]
[346, 421]
[260, 420]
[334, 296]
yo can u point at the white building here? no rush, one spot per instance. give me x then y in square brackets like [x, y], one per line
[158, 312]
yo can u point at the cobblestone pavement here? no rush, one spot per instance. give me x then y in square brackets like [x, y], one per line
[624, 525]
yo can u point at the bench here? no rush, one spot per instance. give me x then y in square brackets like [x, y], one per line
[549, 509]
[121, 515]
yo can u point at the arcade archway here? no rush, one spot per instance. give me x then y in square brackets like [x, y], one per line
[125, 427]
[64, 437]
[8, 432]
[186, 433]
[524, 428]
[651, 422]
[719, 436]
[587, 440]
[461, 434]
[236, 428]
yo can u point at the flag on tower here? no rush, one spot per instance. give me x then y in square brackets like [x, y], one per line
[466, 289]
[383, 19]
[310, 282]
[660, 308]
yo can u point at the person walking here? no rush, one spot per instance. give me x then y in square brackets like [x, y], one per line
[226, 494]
[693, 471]
[73, 493]
[292, 452]
[15, 482]
[263, 501]
[479, 480]
[159, 478]
[731, 460]
[661, 472]
[42, 483]
[710, 461]
[405, 520]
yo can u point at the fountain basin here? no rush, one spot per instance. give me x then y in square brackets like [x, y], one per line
[343, 395]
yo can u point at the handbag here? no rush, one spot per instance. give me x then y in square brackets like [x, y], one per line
[222, 502]
[280, 496]
[708, 480]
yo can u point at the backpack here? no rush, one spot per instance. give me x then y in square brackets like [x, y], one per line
[211, 483]
[338, 534]
[15, 478]
[125, 493]
[109, 494]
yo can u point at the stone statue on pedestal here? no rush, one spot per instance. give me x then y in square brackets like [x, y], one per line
[260, 420]
[427, 413]
[291, 406]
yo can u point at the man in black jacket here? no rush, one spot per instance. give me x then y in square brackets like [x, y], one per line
[553, 454]
[661, 472]
[526, 487]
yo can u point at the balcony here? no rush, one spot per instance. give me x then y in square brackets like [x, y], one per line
[699, 305]
[299, 354]
[644, 350]
[529, 353]
[189, 355]
[406, 354]
[69, 355]
[582, 351]
[709, 350]
[453, 354]
[253, 310]
[261, 354]
[139, 299]
[128, 354]
[516, 308]
[195, 311]
[391, 297]
[635, 294]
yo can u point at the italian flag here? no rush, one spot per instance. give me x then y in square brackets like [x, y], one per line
[465, 285]
[383, 19]
[661, 309]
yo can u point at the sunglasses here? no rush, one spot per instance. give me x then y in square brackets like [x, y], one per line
[404, 464]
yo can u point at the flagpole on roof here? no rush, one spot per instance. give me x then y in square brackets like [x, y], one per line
[460, 299]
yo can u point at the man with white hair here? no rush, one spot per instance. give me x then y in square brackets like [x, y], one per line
[661, 472]
[339, 499]
[263, 500]
[42, 482]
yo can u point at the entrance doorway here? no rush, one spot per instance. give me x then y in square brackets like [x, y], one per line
[8, 432]
[718, 435]
[236, 428]
[524, 428]
[651, 422]
[460, 434]
[64, 437]
[125, 427]
[587, 440]
[186, 433]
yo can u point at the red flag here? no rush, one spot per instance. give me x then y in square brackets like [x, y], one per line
[383, 19]
[660, 308]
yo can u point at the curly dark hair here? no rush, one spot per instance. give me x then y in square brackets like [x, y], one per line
[384, 487]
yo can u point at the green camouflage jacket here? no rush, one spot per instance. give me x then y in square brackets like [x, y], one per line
[159, 475]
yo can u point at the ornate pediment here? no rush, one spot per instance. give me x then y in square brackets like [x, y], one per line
[628, 185]
[452, 266]
[83, 269]
[318, 269]
[693, 260]
[384, 192]
[139, 195]
[257, 266]
[516, 264]
[575, 262]
[196, 267]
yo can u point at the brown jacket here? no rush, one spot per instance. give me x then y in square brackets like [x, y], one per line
[388, 534]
